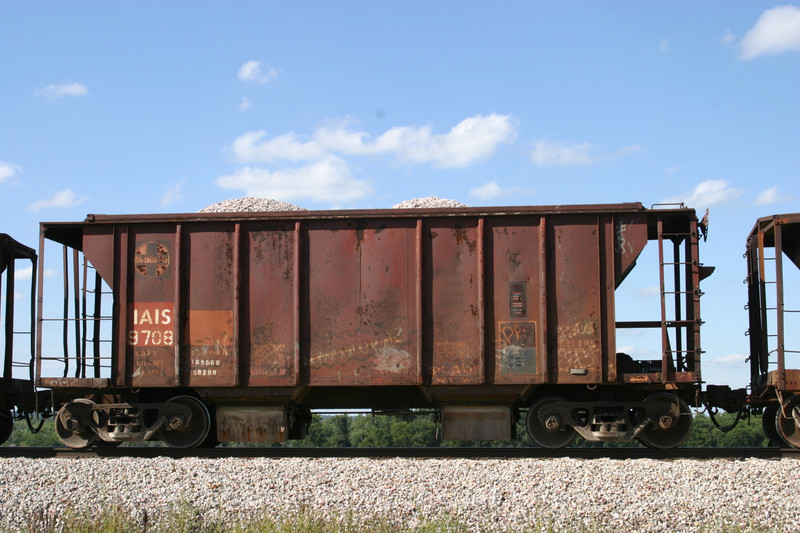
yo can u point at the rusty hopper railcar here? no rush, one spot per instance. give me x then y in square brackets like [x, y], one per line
[17, 396]
[233, 326]
[774, 312]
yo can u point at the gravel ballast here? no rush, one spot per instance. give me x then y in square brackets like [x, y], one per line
[484, 495]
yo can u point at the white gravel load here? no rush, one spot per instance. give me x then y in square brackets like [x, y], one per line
[250, 204]
[255, 205]
[482, 495]
[429, 201]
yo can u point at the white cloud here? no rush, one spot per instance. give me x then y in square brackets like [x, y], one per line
[624, 151]
[337, 136]
[561, 153]
[62, 199]
[470, 140]
[328, 181]
[728, 38]
[548, 153]
[245, 105]
[772, 196]
[708, 193]
[249, 148]
[24, 273]
[728, 361]
[254, 71]
[8, 171]
[55, 91]
[27, 273]
[326, 176]
[777, 30]
[663, 46]
[174, 194]
[646, 292]
[492, 190]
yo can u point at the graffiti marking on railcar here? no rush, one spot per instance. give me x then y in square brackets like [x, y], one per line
[270, 360]
[359, 351]
[203, 348]
[578, 344]
[579, 352]
[454, 358]
[206, 359]
[624, 245]
[392, 360]
[516, 347]
[582, 328]
[517, 333]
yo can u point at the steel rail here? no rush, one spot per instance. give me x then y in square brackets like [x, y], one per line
[418, 453]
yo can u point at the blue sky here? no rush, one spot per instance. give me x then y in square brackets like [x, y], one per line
[143, 107]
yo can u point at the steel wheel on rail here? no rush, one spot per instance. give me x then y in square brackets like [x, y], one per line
[187, 433]
[788, 421]
[545, 426]
[671, 424]
[769, 422]
[69, 427]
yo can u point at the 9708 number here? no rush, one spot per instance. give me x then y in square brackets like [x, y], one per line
[151, 337]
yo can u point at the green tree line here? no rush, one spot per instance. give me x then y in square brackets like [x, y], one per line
[346, 431]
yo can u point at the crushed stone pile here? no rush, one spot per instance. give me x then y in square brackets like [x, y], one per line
[255, 205]
[429, 201]
[250, 204]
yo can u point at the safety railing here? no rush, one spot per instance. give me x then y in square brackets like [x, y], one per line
[75, 335]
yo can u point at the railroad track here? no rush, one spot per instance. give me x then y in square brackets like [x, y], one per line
[438, 453]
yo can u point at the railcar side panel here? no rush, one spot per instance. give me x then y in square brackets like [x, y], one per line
[575, 321]
[515, 269]
[362, 306]
[269, 343]
[453, 286]
[210, 283]
[152, 330]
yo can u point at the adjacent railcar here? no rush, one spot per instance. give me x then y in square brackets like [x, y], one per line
[18, 398]
[774, 313]
[197, 328]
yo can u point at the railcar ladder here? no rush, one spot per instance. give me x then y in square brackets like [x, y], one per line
[685, 295]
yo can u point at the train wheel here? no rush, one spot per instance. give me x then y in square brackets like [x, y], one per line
[671, 427]
[67, 427]
[769, 422]
[6, 425]
[788, 421]
[545, 426]
[187, 433]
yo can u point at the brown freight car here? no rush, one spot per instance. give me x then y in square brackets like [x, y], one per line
[774, 313]
[233, 326]
[18, 399]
